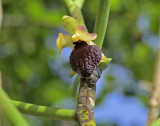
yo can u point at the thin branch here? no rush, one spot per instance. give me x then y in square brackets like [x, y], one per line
[86, 99]
[44, 111]
[68, 3]
[9, 109]
[74, 11]
[79, 3]
[75, 85]
[1, 117]
[101, 21]
[0, 80]
[155, 95]
[156, 123]
[1, 13]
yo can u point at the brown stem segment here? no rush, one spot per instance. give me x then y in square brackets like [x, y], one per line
[155, 94]
[86, 99]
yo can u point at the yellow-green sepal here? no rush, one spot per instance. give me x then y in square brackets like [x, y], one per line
[70, 24]
[64, 41]
[109, 59]
[104, 62]
[105, 59]
[72, 73]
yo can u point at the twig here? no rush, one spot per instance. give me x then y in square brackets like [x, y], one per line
[156, 123]
[0, 30]
[86, 99]
[101, 21]
[0, 80]
[9, 109]
[155, 95]
[75, 85]
[74, 10]
[44, 111]
[68, 3]
[79, 3]
[1, 13]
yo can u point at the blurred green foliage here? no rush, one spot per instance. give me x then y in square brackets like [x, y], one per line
[32, 70]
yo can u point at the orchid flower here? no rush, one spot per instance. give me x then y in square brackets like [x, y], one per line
[77, 34]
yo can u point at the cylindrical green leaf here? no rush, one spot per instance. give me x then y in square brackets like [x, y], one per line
[44, 111]
[101, 21]
[12, 113]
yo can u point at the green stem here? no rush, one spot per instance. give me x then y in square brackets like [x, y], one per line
[86, 99]
[156, 123]
[75, 85]
[9, 109]
[43, 111]
[79, 3]
[74, 11]
[68, 3]
[0, 79]
[154, 103]
[101, 21]
[1, 13]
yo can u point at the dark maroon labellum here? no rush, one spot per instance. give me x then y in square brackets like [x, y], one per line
[85, 58]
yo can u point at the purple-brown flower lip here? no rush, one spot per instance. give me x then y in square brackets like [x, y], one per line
[85, 58]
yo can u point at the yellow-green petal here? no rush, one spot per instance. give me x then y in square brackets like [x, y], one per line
[70, 24]
[83, 35]
[64, 41]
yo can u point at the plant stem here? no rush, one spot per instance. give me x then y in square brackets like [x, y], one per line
[86, 99]
[156, 123]
[75, 85]
[101, 21]
[1, 13]
[0, 80]
[1, 115]
[79, 3]
[9, 109]
[74, 11]
[68, 3]
[155, 95]
[44, 111]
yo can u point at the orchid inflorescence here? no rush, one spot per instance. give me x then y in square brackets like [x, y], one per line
[85, 55]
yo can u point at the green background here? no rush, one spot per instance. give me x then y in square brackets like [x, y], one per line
[33, 71]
